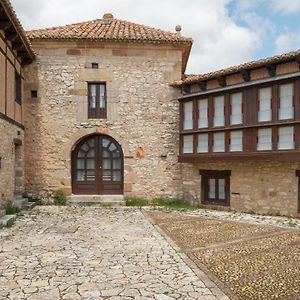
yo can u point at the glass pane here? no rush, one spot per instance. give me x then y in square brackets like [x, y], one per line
[91, 153]
[105, 153]
[117, 164]
[286, 110]
[102, 95]
[106, 176]
[219, 117]
[106, 164]
[188, 144]
[219, 142]
[91, 142]
[202, 143]
[116, 154]
[90, 164]
[188, 115]
[236, 141]
[80, 164]
[81, 153]
[90, 176]
[203, 109]
[236, 109]
[265, 112]
[105, 142]
[222, 194]
[80, 175]
[264, 139]
[85, 147]
[116, 175]
[212, 188]
[112, 147]
[93, 96]
[286, 138]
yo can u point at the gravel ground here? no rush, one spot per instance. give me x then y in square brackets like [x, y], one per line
[248, 255]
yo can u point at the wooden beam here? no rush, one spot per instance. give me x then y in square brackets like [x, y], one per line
[11, 36]
[203, 85]
[18, 46]
[271, 70]
[246, 75]
[22, 54]
[222, 81]
[4, 25]
[297, 58]
[186, 89]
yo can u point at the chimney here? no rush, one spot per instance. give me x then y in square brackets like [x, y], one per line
[107, 16]
[178, 30]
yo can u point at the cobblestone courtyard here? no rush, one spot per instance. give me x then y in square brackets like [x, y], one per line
[94, 253]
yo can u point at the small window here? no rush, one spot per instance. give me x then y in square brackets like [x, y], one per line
[286, 108]
[236, 109]
[219, 116]
[18, 88]
[188, 144]
[286, 138]
[219, 142]
[236, 141]
[203, 113]
[215, 187]
[34, 94]
[97, 100]
[264, 105]
[188, 115]
[202, 143]
[95, 66]
[264, 139]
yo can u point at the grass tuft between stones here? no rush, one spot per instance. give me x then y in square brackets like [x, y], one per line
[60, 198]
[12, 210]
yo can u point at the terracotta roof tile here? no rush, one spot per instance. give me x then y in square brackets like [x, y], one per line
[189, 79]
[108, 29]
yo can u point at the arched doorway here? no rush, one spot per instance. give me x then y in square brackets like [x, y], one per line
[97, 166]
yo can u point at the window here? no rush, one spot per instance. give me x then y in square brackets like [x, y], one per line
[286, 138]
[219, 116]
[202, 143]
[188, 115]
[236, 141]
[18, 88]
[264, 139]
[286, 105]
[264, 105]
[95, 66]
[203, 113]
[219, 142]
[215, 187]
[188, 144]
[97, 100]
[236, 109]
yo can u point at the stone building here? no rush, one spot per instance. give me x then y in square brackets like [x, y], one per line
[108, 112]
[15, 53]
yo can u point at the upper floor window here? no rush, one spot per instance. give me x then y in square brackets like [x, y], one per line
[203, 113]
[97, 100]
[265, 104]
[264, 139]
[18, 88]
[219, 142]
[286, 103]
[219, 116]
[188, 144]
[202, 143]
[236, 141]
[236, 109]
[286, 138]
[188, 115]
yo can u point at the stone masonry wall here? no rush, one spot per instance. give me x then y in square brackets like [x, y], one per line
[142, 114]
[255, 186]
[11, 170]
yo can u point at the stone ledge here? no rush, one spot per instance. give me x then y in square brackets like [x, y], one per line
[7, 219]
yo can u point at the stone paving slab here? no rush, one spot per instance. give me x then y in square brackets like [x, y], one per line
[72, 253]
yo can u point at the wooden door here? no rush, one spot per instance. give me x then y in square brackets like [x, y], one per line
[97, 166]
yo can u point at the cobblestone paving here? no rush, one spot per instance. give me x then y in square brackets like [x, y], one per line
[252, 261]
[94, 253]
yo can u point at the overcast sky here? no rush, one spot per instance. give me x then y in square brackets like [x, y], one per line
[225, 32]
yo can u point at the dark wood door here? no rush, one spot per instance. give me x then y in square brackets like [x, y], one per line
[97, 166]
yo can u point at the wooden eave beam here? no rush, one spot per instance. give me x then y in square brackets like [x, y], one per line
[186, 89]
[203, 85]
[297, 58]
[222, 81]
[22, 54]
[11, 36]
[18, 46]
[271, 69]
[246, 75]
[4, 25]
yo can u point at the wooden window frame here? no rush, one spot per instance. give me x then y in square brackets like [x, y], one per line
[18, 88]
[214, 174]
[97, 112]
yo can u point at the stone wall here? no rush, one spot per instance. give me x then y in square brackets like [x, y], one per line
[142, 114]
[255, 186]
[11, 170]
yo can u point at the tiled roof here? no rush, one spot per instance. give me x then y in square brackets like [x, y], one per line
[189, 79]
[108, 29]
[10, 13]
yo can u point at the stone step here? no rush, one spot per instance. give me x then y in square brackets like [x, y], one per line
[96, 200]
[7, 220]
[28, 205]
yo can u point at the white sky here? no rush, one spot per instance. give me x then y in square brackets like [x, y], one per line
[220, 37]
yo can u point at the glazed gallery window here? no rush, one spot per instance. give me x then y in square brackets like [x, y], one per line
[219, 115]
[188, 143]
[236, 141]
[236, 116]
[286, 103]
[219, 142]
[265, 104]
[215, 187]
[203, 113]
[286, 138]
[202, 143]
[188, 115]
[264, 139]
[97, 101]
